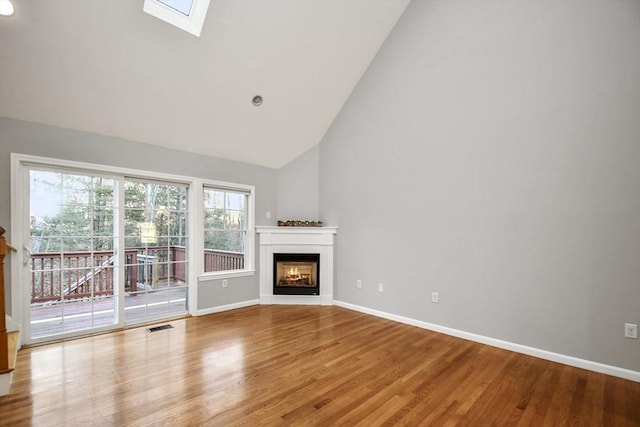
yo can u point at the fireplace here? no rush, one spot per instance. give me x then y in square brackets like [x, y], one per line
[296, 274]
[317, 241]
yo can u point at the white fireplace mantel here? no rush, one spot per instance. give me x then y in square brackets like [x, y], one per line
[296, 240]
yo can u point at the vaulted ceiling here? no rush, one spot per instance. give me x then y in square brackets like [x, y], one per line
[107, 67]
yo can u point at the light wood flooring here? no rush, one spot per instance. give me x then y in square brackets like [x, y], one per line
[303, 365]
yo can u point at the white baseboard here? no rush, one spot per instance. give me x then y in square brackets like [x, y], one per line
[227, 307]
[518, 348]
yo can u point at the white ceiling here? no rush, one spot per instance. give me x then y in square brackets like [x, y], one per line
[107, 67]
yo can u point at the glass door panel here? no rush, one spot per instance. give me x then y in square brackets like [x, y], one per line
[155, 216]
[72, 237]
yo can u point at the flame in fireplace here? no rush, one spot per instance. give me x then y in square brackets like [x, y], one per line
[293, 271]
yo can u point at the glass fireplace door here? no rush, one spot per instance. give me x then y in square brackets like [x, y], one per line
[296, 274]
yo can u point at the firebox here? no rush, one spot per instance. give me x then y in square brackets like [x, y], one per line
[296, 274]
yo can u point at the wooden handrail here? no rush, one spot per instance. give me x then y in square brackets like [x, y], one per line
[4, 342]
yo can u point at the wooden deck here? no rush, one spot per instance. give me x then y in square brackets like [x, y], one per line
[303, 366]
[56, 318]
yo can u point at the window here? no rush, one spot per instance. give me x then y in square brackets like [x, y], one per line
[187, 15]
[182, 6]
[227, 229]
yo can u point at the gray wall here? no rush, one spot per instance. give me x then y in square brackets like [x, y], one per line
[491, 153]
[239, 289]
[47, 141]
[298, 187]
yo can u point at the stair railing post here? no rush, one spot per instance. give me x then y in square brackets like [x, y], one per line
[4, 343]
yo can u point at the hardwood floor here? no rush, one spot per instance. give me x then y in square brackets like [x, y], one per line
[303, 365]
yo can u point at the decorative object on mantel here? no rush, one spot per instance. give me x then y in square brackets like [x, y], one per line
[296, 223]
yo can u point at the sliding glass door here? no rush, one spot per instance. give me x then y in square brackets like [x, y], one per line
[83, 276]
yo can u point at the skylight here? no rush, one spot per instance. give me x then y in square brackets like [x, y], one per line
[182, 6]
[187, 15]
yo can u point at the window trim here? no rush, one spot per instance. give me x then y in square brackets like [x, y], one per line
[228, 274]
[250, 239]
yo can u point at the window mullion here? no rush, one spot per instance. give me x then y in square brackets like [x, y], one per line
[195, 242]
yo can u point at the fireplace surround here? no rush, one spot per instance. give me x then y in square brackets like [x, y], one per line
[297, 241]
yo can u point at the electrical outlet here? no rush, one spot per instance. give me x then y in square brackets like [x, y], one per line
[267, 214]
[359, 284]
[225, 283]
[631, 330]
[434, 297]
[380, 287]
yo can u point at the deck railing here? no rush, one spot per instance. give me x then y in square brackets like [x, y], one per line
[54, 275]
[75, 275]
[222, 260]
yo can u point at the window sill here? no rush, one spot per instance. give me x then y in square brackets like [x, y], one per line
[218, 275]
